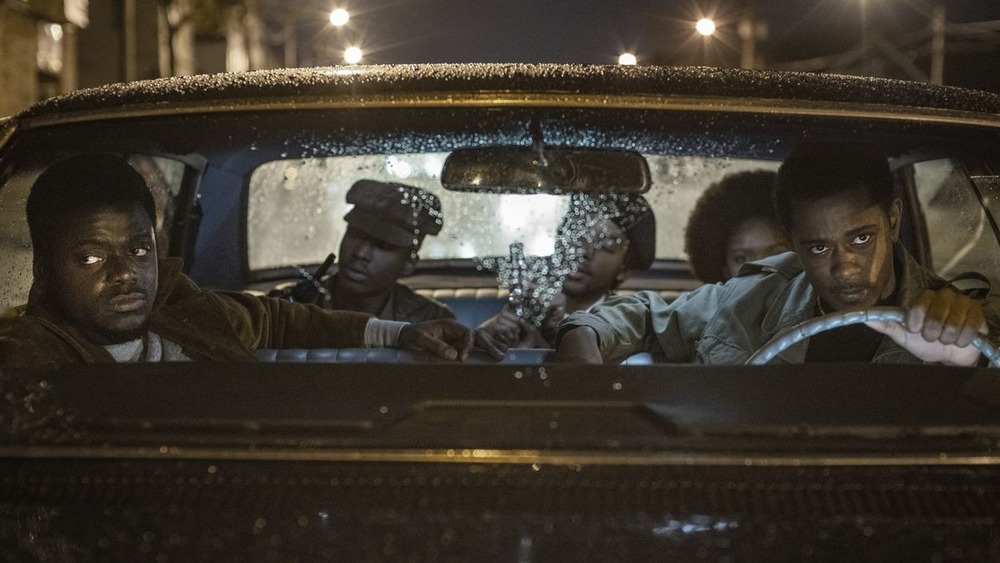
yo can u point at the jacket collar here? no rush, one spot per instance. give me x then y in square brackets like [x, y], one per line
[167, 276]
[796, 302]
[169, 273]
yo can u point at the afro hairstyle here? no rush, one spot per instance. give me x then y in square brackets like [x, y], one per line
[723, 206]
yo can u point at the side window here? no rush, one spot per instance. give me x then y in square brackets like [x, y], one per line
[961, 235]
[164, 177]
[15, 241]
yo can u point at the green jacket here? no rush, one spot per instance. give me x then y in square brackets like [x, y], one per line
[215, 325]
[727, 323]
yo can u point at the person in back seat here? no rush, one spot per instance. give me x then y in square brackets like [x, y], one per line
[101, 294]
[601, 240]
[733, 223]
[385, 230]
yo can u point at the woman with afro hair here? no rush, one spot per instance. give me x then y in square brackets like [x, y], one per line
[733, 222]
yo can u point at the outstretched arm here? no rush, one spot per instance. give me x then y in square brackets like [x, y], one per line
[644, 322]
[448, 339]
[579, 345]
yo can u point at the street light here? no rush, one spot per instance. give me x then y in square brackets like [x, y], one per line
[339, 17]
[626, 59]
[705, 26]
[353, 55]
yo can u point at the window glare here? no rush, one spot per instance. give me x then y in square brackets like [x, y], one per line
[296, 207]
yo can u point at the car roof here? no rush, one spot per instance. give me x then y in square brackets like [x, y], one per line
[285, 87]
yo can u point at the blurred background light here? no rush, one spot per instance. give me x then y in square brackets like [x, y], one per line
[705, 26]
[353, 55]
[339, 17]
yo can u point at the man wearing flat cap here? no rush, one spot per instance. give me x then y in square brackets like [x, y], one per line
[384, 232]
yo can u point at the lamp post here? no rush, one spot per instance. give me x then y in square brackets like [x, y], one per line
[750, 30]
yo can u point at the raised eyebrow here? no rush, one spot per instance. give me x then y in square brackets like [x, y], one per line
[101, 243]
[849, 234]
[88, 242]
[861, 230]
[814, 242]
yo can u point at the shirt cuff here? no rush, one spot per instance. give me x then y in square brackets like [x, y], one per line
[382, 334]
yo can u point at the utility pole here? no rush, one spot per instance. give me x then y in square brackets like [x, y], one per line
[866, 39]
[291, 41]
[748, 43]
[130, 53]
[937, 44]
[750, 30]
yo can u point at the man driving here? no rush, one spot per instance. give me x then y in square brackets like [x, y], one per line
[101, 294]
[838, 204]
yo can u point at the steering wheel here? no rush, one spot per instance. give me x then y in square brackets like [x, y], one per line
[793, 335]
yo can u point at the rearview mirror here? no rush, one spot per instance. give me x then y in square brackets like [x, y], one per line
[552, 170]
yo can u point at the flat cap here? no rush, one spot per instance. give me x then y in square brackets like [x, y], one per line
[395, 213]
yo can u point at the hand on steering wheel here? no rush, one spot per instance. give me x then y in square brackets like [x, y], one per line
[793, 335]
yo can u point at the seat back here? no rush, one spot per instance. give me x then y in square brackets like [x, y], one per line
[472, 306]
[531, 356]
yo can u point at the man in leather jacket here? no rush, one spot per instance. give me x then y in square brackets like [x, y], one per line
[100, 293]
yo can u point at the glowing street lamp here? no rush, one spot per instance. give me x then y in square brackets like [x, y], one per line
[626, 59]
[353, 55]
[339, 17]
[705, 26]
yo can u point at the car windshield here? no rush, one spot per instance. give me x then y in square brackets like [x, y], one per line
[256, 200]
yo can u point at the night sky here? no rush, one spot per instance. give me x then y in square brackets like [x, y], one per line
[597, 31]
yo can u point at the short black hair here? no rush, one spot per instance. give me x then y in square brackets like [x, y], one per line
[723, 206]
[817, 170]
[81, 183]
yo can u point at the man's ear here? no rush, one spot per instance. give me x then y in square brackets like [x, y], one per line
[623, 270]
[895, 218]
[39, 284]
[411, 264]
[623, 273]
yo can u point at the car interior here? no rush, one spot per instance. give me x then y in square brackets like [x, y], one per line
[255, 204]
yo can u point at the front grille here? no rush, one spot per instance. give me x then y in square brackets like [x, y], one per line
[284, 511]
